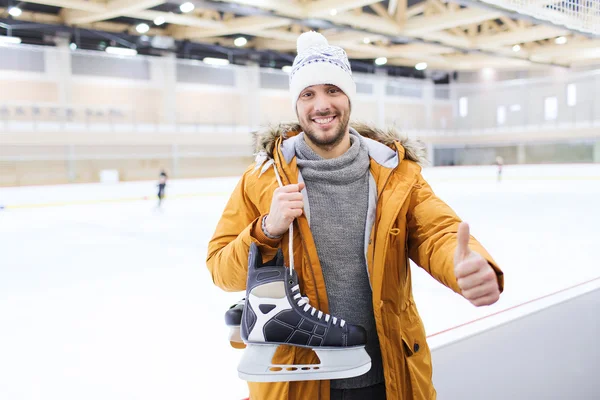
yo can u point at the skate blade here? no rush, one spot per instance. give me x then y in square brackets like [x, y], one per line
[256, 365]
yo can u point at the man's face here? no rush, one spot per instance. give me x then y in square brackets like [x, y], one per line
[323, 112]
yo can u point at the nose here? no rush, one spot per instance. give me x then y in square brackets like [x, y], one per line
[321, 104]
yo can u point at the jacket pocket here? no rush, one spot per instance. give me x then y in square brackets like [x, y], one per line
[418, 356]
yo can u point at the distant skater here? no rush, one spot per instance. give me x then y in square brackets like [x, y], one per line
[499, 163]
[162, 182]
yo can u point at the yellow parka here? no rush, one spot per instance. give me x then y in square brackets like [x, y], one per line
[406, 219]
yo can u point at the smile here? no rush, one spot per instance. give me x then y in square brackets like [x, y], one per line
[324, 121]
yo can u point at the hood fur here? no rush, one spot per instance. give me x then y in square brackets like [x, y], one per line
[264, 139]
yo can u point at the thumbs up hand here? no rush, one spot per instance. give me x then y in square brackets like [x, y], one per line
[476, 278]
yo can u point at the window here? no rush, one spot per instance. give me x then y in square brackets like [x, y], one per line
[501, 115]
[571, 94]
[550, 108]
[463, 107]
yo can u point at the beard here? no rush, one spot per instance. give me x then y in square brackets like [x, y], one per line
[324, 141]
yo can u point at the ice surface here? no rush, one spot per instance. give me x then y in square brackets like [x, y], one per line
[102, 296]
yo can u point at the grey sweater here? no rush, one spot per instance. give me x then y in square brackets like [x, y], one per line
[338, 195]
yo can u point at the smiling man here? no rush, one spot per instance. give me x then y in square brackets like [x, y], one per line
[359, 208]
[324, 113]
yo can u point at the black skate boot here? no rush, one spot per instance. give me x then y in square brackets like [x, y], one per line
[276, 313]
[233, 319]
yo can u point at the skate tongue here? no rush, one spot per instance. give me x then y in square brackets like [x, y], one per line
[277, 261]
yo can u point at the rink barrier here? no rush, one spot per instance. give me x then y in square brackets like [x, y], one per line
[545, 348]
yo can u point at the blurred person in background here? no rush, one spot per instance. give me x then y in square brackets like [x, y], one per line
[360, 209]
[162, 182]
[499, 164]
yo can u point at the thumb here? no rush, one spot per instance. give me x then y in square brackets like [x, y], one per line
[301, 186]
[463, 236]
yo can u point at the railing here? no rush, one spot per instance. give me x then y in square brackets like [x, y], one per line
[50, 117]
[489, 119]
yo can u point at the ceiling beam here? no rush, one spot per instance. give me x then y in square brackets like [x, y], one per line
[323, 7]
[449, 39]
[401, 12]
[273, 44]
[177, 19]
[392, 7]
[320, 8]
[72, 4]
[114, 27]
[284, 8]
[114, 9]
[247, 25]
[381, 11]
[539, 32]
[512, 25]
[566, 51]
[368, 22]
[418, 49]
[423, 24]
[458, 32]
[417, 9]
[469, 62]
[31, 16]
[277, 34]
[438, 5]
[118, 27]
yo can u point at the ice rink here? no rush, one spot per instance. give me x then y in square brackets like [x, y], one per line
[102, 296]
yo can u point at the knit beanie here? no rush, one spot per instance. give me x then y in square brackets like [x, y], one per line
[318, 63]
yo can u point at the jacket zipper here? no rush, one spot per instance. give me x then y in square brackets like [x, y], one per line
[386, 244]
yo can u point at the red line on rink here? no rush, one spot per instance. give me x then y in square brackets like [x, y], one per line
[513, 307]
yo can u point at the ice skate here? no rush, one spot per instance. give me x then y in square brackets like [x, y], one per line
[276, 313]
[233, 319]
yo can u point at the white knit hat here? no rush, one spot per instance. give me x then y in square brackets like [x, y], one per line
[318, 63]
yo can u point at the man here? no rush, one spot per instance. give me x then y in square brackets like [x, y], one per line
[162, 182]
[499, 164]
[360, 209]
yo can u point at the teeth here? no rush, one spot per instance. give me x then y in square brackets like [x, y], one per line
[324, 120]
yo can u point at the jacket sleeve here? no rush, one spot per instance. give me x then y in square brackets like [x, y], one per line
[432, 236]
[240, 225]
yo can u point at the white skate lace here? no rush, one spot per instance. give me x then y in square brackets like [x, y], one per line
[302, 300]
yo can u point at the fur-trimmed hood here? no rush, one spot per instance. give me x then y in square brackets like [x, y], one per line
[264, 139]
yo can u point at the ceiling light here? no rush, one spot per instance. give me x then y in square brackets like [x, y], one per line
[10, 39]
[186, 7]
[516, 48]
[421, 66]
[121, 51]
[142, 28]
[333, 12]
[366, 40]
[15, 11]
[159, 21]
[215, 61]
[287, 69]
[488, 73]
[515, 107]
[240, 42]
[381, 61]
[73, 46]
[560, 40]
